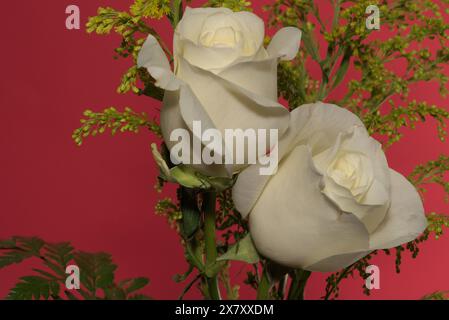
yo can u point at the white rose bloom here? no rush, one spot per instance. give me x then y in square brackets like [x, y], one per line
[333, 200]
[223, 77]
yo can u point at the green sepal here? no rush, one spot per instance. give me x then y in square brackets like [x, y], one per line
[190, 213]
[213, 269]
[186, 176]
[244, 250]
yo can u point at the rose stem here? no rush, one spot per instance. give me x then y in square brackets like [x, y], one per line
[299, 281]
[263, 290]
[210, 199]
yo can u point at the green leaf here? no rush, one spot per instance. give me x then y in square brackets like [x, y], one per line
[344, 66]
[97, 270]
[33, 245]
[190, 213]
[187, 177]
[176, 13]
[132, 285]
[56, 268]
[310, 45]
[439, 295]
[114, 293]
[153, 92]
[60, 252]
[86, 295]
[243, 250]
[34, 287]
[70, 295]
[14, 256]
[139, 297]
[58, 256]
[18, 249]
[46, 274]
[182, 277]
[8, 244]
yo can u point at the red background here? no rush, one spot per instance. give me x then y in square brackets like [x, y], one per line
[101, 196]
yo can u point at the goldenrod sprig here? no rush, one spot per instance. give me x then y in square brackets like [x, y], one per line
[432, 172]
[235, 5]
[132, 27]
[96, 123]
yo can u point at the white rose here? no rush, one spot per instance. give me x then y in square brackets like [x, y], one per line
[223, 77]
[333, 200]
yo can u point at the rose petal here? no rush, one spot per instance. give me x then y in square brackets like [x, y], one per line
[360, 141]
[254, 27]
[153, 58]
[318, 116]
[208, 58]
[193, 20]
[171, 119]
[259, 77]
[188, 38]
[231, 106]
[192, 110]
[247, 189]
[336, 262]
[372, 204]
[293, 224]
[285, 43]
[250, 182]
[405, 219]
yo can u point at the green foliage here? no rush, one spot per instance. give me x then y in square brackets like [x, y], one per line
[186, 176]
[96, 123]
[432, 172]
[129, 80]
[12, 253]
[167, 208]
[191, 216]
[299, 281]
[411, 23]
[108, 19]
[155, 9]
[132, 28]
[243, 250]
[436, 224]
[189, 178]
[35, 287]
[235, 5]
[229, 221]
[390, 124]
[190, 201]
[439, 295]
[97, 272]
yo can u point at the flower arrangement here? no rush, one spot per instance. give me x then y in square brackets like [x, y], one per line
[319, 195]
